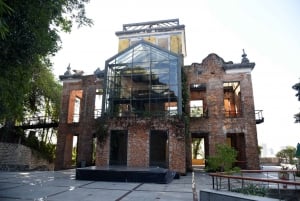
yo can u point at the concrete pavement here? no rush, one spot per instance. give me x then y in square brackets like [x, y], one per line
[61, 185]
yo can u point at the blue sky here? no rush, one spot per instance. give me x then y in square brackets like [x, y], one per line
[268, 30]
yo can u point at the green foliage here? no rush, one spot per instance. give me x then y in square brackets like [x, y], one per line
[252, 189]
[185, 100]
[44, 149]
[223, 160]
[287, 154]
[185, 94]
[297, 88]
[297, 117]
[47, 150]
[45, 92]
[12, 135]
[29, 35]
[4, 9]
[74, 154]
[101, 129]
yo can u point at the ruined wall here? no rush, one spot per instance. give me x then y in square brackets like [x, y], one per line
[216, 127]
[85, 88]
[138, 150]
[212, 74]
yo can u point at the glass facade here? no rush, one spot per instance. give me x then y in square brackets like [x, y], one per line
[143, 80]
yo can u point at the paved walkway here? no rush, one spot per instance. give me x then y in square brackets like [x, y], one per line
[61, 185]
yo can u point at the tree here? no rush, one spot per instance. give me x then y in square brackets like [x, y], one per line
[287, 154]
[30, 34]
[297, 88]
[4, 8]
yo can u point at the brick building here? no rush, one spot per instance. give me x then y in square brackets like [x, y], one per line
[148, 109]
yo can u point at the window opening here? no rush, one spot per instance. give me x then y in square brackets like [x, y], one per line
[232, 99]
[74, 106]
[196, 108]
[98, 103]
[76, 110]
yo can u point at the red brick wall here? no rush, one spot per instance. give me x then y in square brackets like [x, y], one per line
[217, 125]
[85, 87]
[210, 72]
[138, 142]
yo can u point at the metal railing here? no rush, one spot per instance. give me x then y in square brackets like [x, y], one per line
[259, 116]
[38, 122]
[268, 179]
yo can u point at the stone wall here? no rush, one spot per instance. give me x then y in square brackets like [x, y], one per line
[17, 157]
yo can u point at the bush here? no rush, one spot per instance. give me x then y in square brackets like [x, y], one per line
[223, 160]
[252, 189]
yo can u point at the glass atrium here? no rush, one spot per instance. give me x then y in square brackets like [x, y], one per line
[143, 80]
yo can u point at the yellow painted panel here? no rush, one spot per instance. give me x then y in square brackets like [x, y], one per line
[228, 141]
[198, 162]
[175, 44]
[150, 39]
[123, 44]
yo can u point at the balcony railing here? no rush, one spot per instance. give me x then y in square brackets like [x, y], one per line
[261, 179]
[259, 116]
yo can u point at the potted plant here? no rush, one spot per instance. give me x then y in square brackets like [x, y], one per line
[283, 174]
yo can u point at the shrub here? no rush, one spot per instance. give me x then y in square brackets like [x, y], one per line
[252, 189]
[223, 160]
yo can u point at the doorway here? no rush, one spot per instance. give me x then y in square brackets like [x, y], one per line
[118, 147]
[237, 141]
[75, 151]
[159, 149]
[199, 148]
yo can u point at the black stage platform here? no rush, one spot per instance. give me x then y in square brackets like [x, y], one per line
[126, 174]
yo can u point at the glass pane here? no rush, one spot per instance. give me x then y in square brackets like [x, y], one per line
[160, 71]
[159, 56]
[173, 91]
[173, 72]
[139, 79]
[124, 58]
[141, 54]
[171, 107]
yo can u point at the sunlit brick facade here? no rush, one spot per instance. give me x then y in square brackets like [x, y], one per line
[146, 108]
